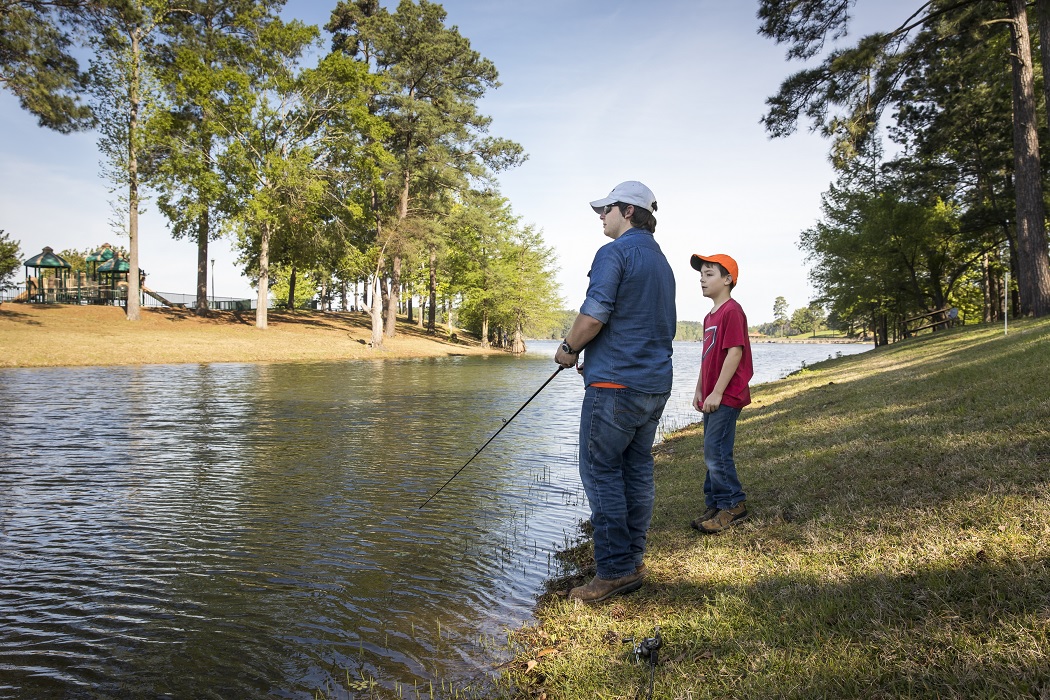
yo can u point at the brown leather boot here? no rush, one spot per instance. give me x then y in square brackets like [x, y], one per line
[600, 588]
[711, 512]
[724, 519]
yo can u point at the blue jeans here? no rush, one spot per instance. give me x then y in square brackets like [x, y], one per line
[721, 486]
[617, 429]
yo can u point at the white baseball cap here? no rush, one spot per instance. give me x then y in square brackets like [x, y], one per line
[630, 192]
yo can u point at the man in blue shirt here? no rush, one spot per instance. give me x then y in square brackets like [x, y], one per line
[624, 329]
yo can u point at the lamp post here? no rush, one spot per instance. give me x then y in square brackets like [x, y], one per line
[213, 283]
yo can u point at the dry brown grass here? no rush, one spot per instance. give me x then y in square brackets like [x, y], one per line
[42, 335]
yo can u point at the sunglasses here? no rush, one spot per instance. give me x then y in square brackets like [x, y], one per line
[609, 207]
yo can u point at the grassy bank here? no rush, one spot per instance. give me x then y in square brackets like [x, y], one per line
[36, 335]
[899, 543]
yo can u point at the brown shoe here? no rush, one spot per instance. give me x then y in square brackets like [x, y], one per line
[600, 588]
[711, 512]
[724, 519]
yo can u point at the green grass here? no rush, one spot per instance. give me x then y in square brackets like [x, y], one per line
[898, 545]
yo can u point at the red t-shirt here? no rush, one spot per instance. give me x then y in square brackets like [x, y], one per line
[726, 328]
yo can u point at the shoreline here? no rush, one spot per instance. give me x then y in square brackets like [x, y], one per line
[813, 341]
[49, 335]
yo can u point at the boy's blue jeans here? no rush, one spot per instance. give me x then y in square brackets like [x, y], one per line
[617, 429]
[721, 486]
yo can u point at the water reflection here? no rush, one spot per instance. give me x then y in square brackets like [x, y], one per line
[238, 530]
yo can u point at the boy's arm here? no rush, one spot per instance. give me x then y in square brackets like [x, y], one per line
[714, 399]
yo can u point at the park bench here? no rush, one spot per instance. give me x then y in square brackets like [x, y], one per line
[942, 321]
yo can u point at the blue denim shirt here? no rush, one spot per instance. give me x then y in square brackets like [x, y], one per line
[632, 292]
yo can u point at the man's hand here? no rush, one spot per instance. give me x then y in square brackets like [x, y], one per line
[564, 359]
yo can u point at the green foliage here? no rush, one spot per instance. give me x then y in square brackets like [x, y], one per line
[343, 170]
[203, 65]
[927, 222]
[689, 330]
[429, 81]
[281, 278]
[532, 299]
[556, 328]
[10, 259]
[884, 253]
[809, 319]
[36, 64]
[501, 270]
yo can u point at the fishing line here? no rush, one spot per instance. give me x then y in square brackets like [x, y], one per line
[505, 424]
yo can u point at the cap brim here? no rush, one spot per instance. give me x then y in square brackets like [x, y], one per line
[599, 205]
[696, 261]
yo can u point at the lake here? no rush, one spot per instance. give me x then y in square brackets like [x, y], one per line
[240, 530]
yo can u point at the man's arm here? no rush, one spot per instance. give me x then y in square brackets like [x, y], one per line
[583, 331]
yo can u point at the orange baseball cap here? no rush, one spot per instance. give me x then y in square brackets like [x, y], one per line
[724, 260]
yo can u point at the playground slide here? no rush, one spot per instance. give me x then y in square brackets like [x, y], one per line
[158, 297]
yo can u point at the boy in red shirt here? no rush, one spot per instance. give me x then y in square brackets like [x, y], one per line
[721, 391]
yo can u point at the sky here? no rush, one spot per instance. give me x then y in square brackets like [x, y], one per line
[669, 92]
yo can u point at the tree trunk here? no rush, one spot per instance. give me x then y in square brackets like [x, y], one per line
[291, 290]
[393, 297]
[203, 236]
[1033, 261]
[432, 306]
[202, 264]
[134, 104]
[377, 312]
[384, 294]
[484, 330]
[518, 346]
[262, 300]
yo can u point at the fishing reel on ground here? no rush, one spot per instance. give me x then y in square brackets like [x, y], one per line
[647, 649]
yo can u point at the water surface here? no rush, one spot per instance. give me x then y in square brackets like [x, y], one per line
[238, 530]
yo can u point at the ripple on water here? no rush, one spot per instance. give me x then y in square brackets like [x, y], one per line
[241, 530]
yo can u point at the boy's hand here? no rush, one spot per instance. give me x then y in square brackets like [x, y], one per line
[698, 400]
[712, 402]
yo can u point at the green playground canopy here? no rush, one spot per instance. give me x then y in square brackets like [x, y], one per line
[115, 265]
[48, 258]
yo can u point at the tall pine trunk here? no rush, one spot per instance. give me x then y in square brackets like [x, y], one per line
[291, 290]
[376, 311]
[432, 305]
[135, 104]
[202, 263]
[393, 296]
[203, 234]
[262, 300]
[1033, 260]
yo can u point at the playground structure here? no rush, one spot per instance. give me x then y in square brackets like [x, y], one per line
[50, 279]
[104, 281]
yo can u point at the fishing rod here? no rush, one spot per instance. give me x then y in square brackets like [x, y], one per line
[505, 424]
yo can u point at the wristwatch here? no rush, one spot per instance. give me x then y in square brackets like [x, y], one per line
[567, 349]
